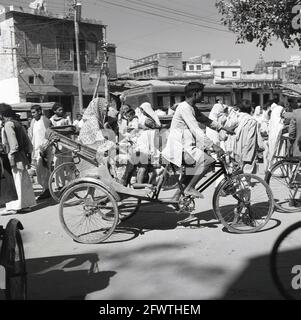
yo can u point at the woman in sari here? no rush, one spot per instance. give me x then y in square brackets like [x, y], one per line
[94, 134]
[148, 139]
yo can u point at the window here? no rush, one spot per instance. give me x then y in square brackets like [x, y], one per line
[170, 71]
[223, 75]
[31, 79]
[234, 74]
[191, 67]
[92, 52]
[199, 67]
[154, 72]
[64, 49]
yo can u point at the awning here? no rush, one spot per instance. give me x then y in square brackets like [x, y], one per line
[26, 106]
[292, 87]
[291, 94]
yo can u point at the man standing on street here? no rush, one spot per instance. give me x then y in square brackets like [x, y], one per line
[37, 130]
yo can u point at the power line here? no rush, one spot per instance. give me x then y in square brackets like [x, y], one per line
[173, 11]
[164, 16]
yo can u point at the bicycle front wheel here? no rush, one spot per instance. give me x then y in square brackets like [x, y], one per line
[243, 203]
[283, 181]
[15, 276]
[285, 262]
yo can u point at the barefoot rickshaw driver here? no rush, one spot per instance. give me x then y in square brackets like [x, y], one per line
[187, 143]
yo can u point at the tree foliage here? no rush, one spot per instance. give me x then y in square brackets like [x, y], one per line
[262, 21]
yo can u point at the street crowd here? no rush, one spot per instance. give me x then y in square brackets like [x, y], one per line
[143, 138]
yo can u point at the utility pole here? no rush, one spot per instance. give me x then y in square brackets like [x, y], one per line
[77, 6]
[104, 67]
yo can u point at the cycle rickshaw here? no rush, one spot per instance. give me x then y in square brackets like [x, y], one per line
[91, 207]
[12, 258]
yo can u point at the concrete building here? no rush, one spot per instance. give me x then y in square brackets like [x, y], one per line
[38, 58]
[165, 64]
[274, 67]
[198, 65]
[224, 70]
[259, 89]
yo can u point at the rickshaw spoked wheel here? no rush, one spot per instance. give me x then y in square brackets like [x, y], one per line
[88, 212]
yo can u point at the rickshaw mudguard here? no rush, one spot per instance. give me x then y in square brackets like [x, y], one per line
[94, 181]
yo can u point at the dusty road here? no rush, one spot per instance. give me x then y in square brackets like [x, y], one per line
[151, 257]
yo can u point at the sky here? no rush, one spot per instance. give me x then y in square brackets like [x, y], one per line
[142, 27]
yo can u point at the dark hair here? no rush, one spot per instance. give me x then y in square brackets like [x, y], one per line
[36, 107]
[245, 106]
[193, 87]
[6, 110]
[130, 111]
[56, 106]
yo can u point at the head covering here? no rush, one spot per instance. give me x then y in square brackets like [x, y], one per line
[112, 112]
[149, 111]
[257, 112]
[276, 116]
[94, 119]
[276, 126]
[97, 109]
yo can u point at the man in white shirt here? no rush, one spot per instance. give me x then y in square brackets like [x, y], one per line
[188, 142]
[36, 132]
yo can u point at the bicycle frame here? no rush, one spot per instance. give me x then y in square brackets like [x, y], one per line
[222, 171]
[208, 182]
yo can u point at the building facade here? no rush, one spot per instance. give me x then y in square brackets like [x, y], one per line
[198, 65]
[165, 64]
[38, 58]
[224, 70]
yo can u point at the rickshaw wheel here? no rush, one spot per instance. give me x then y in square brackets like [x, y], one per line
[88, 212]
[16, 277]
[67, 170]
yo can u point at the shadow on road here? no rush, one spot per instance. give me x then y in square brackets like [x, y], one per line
[157, 216]
[65, 277]
[254, 282]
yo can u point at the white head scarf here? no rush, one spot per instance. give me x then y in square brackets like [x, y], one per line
[147, 108]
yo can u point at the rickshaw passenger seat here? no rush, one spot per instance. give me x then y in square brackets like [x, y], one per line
[142, 185]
